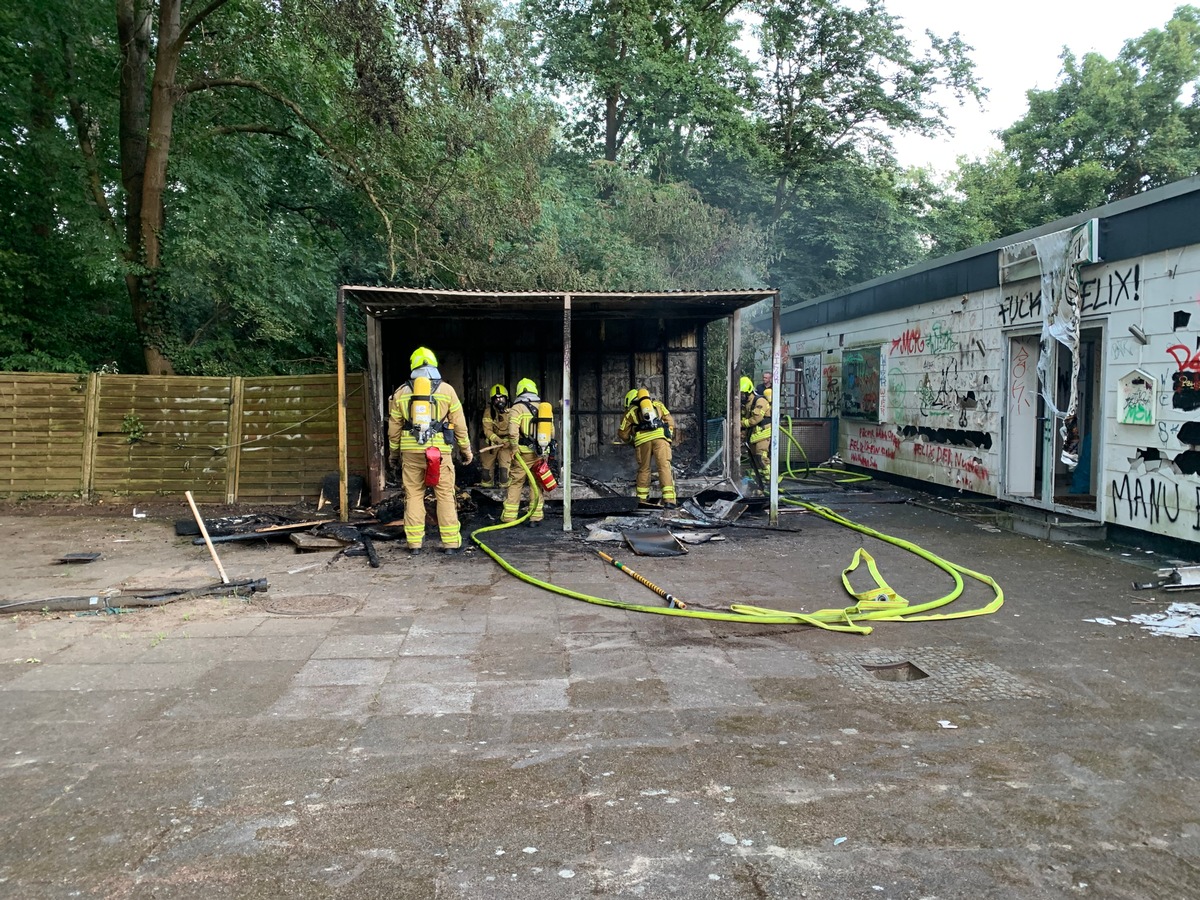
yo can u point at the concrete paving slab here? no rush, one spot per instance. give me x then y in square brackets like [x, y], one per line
[423, 642]
[416, 699]
[364, 646]
[499, 697]
[371, 625]
[111, 677]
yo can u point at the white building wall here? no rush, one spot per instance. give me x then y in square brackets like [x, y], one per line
[1151, 436]
[948, 374]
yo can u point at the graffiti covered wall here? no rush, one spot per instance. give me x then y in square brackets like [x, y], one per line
[949, 372]
[1151, 475]
[919, 398]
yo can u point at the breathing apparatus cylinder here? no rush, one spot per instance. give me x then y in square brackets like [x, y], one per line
[544, 431]
[420, 409]
[646, 410]
[433, 466]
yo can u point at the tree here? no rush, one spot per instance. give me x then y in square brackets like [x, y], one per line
[1109, 129]
[230, 161]
[840, 79]
[648, 79]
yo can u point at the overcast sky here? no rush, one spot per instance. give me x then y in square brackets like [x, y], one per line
[1017, 47]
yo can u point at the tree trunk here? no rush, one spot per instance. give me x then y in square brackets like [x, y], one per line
[145, 142]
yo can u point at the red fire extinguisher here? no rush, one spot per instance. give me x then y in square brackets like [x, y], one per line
[433, 466]
[542, 470]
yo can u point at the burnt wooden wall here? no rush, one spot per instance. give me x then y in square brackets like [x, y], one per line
[608, 358]
[264, 440]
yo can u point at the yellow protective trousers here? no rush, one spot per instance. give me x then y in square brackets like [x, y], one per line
[658, 453]
[516, 484]
[762, 452]
[493, 456]
[412, 467]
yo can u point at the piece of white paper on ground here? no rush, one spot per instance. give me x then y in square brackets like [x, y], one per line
[1179, 620]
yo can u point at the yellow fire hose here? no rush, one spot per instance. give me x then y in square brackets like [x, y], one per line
[882, 603]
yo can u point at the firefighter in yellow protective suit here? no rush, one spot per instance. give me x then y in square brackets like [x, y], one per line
[524, 425]
[649, 428]
[425, 422]
[495, 453]
[756, 424]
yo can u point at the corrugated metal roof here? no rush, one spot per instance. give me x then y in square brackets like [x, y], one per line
[404, 302]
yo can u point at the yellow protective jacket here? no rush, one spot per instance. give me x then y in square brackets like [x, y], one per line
[632, 430]
[495, 428]
[756, 418]
[449, 423]
[520, 424]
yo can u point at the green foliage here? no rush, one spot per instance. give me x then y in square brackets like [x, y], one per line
[133, 428]
[558, 144]
[62, 304]
[1108, 130]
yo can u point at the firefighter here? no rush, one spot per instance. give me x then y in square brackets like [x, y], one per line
[425, 423]
[496, 453]
[530, 434]
[649, 428]
[756, 424]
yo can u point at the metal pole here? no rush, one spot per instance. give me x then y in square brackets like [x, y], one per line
[343, 464]
[566, 413]
[776, 400]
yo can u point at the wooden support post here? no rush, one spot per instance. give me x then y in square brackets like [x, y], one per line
[375, 406]
[343, 465]
[566, 413]
[233, 440]
[776, 400]
[733, 421]
[91, 428]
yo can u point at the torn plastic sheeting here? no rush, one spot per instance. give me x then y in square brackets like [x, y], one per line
[599, 534]
[697, 537]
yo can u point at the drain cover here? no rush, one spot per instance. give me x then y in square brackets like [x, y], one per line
[925, 675]
[307, 604]
[901, 671]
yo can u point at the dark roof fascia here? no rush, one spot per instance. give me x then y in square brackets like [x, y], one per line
[397, 302]
[1156, 220]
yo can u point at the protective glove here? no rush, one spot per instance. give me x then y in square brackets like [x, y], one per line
[468, 457]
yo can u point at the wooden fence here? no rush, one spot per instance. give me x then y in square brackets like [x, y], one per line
[257, 440]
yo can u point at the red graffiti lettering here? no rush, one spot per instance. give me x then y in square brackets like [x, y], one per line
[865, 461]
[909, 342]
[1185, 359]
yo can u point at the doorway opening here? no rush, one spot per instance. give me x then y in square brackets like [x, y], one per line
[1043, 466]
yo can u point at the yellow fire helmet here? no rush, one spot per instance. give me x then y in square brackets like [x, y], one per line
[630, 397]
[498, 390]
[422, 356]
[747, 386]
[526, 385]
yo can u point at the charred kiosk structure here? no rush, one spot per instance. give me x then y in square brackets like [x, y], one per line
[585, 350]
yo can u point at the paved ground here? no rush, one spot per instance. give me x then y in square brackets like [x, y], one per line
[451, 732]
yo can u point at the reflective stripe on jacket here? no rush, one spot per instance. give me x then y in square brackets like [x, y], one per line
[756, 419]
[632, 430]
[448, 422]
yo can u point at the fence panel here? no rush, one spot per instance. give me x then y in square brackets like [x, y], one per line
[162, 435]
[289, 435]
[42, 429]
